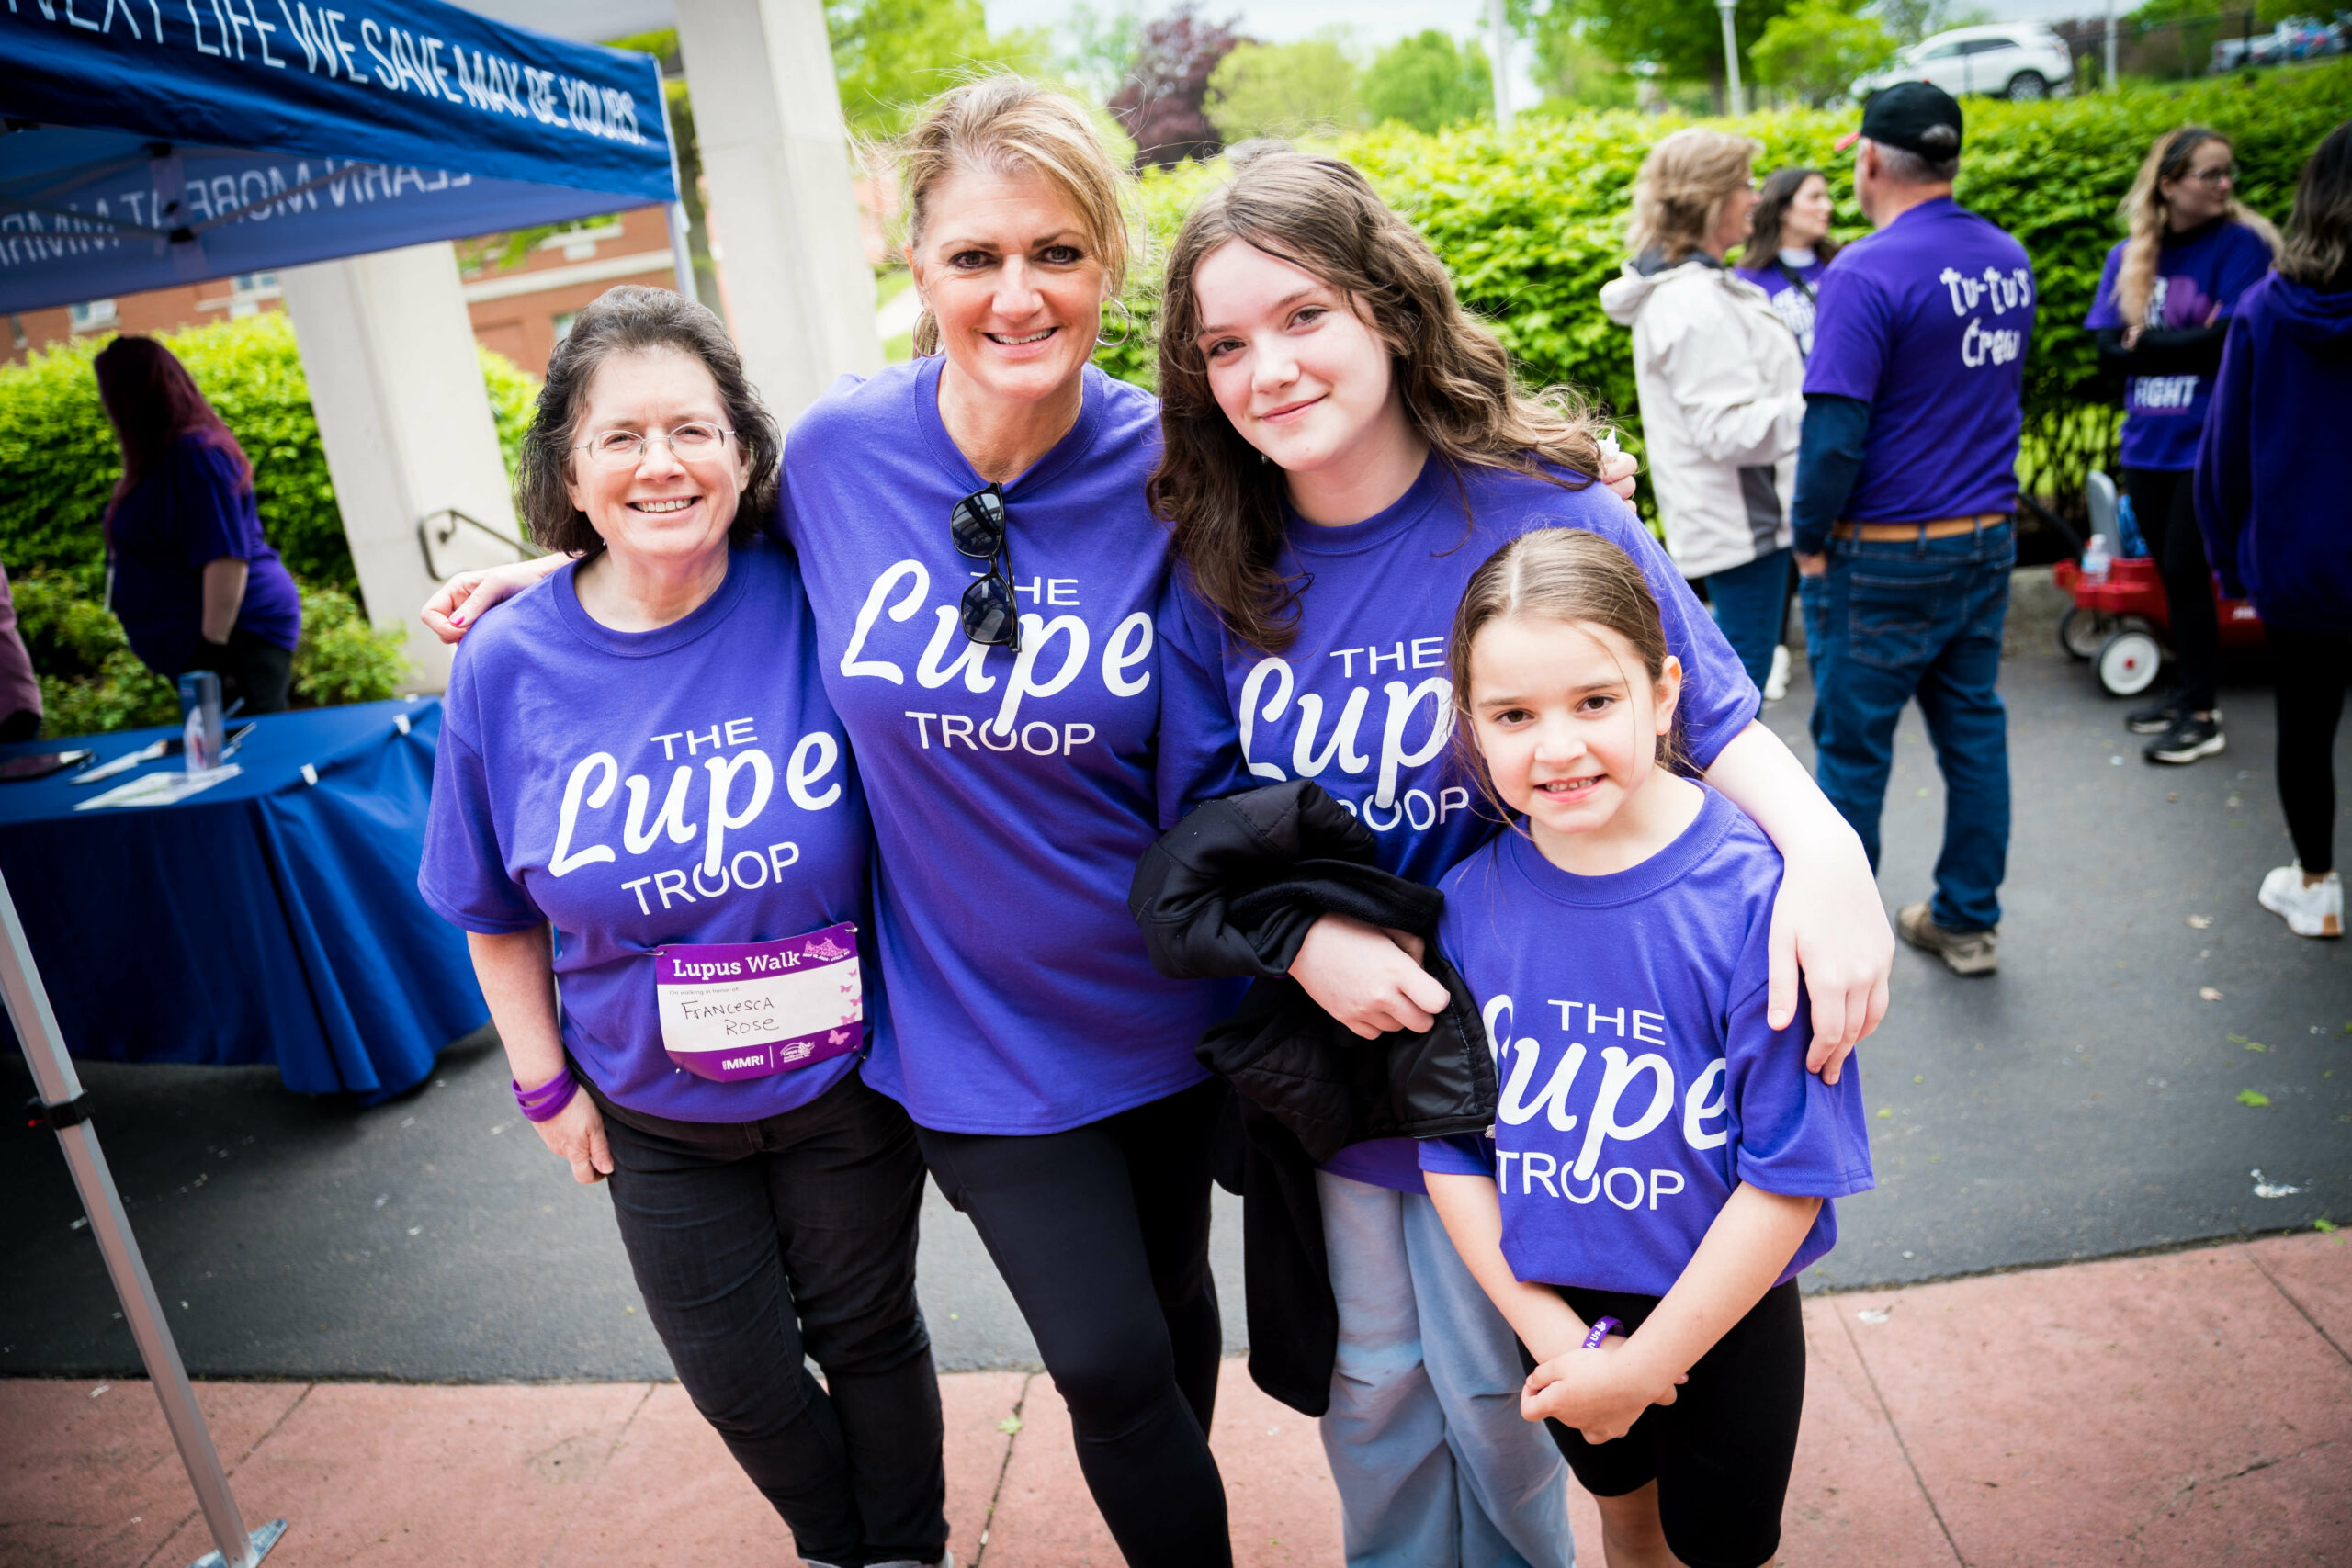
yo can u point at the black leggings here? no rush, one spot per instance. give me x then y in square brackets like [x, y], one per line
[1103, 1235]
[2312, 672]
[2165, 502]
[757, 1242]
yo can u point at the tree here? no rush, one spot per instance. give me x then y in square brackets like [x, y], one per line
[1161, 103]
[1816, 47]
[1911, 20]
[1682, 39]
[890, 55]
[1284, 89]
[1572, 71]
[1099, 48]
[1429, 82]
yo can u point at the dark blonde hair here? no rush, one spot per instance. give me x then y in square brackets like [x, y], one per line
[1005, 124]
[1226, 503]
[636, 320]
[1683, 184]
[1564, 575]
[2144, 214]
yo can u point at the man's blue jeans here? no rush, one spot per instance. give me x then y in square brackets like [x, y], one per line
[1886, 624]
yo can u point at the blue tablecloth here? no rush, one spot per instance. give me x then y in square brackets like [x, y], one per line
[269, 919]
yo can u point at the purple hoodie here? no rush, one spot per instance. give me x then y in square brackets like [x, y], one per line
[2271, 493]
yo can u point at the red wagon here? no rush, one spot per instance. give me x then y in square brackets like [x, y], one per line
[2118, 618]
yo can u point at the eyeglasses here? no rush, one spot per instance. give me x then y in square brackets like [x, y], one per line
[699, 442]
[2226, 175]
[977, 525]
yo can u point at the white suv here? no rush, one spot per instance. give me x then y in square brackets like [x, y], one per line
[2005, 60]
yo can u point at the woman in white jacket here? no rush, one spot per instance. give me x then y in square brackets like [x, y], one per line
[1721, 384]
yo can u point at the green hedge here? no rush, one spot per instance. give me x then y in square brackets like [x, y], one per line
[1533, 224]
[60, 461]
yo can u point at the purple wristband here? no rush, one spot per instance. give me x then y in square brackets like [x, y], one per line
[546, 1102]
[1602, 1328]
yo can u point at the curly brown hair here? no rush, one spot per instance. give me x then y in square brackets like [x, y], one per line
[1227, 506]
[631, 319]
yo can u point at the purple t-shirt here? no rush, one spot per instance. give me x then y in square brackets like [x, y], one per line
[1928, 320]
[190, 511]
[1791, 287]
[576, 782]
[1640, 1082]
[1012, 794]
[2199, 275]
[1360, 701]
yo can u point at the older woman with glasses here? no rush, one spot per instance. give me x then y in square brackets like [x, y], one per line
[639, 756]
[982, 570]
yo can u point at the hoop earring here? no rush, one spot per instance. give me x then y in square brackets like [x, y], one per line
[1126, 325]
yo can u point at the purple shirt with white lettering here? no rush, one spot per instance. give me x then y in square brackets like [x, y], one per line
[1640, 1081]
[1012, 794]
[2199, 275]
[634, 789]
[1928, 320]
[1361, 702]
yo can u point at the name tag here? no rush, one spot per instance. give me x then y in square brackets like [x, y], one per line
[733, 1010]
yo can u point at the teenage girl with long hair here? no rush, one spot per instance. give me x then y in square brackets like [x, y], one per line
[1616, 938]
[2162, 308]
[1342, 446]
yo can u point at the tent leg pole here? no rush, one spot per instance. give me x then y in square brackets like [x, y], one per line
[61, 1094]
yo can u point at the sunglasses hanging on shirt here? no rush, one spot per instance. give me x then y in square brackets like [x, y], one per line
[977, 525]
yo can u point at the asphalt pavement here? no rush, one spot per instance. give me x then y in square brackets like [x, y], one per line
[2152, 1041]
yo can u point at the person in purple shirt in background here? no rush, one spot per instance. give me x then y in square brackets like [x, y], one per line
[638, 754]
[188, 574]
[1789, 246]
[2163, 305]
[2278, 516]
[1906, 496]
[1343, 446]
[1616, 939]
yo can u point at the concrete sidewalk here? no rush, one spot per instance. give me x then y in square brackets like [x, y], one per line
[2194, 1407]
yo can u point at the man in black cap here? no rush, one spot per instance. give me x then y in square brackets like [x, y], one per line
[1906, 500]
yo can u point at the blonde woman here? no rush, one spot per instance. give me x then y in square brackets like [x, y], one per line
[2160, 315]
[1721, 381]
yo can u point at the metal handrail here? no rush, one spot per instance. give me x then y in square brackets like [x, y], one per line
[450, 520]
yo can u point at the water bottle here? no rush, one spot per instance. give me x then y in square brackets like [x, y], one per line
[2095, 559]
[200, 719]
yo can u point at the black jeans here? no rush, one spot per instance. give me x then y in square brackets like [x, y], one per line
[755, 1242]
[2311, 670]
[1103, 1235]
[252, 670]
[2165, 502]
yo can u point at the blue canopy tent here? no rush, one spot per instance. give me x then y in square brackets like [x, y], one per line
[147, 146]
[142, 147]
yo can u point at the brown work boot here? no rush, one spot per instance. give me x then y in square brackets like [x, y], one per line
[1963, 953]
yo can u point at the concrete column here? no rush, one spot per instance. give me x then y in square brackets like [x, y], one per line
[775, 153]
[388, 352]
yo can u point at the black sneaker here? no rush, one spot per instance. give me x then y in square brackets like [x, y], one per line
[2157, 716]
[2187, 740]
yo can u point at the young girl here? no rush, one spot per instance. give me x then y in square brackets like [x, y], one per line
[1661, 1165]
[1343, 445]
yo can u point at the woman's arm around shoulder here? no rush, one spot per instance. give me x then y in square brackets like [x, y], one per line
[1829, 927]
[461, 601]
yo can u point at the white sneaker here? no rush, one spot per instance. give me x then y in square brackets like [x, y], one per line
[2317, 910]
[1776, 684]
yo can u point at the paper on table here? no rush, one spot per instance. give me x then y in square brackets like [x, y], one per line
[161, 789]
